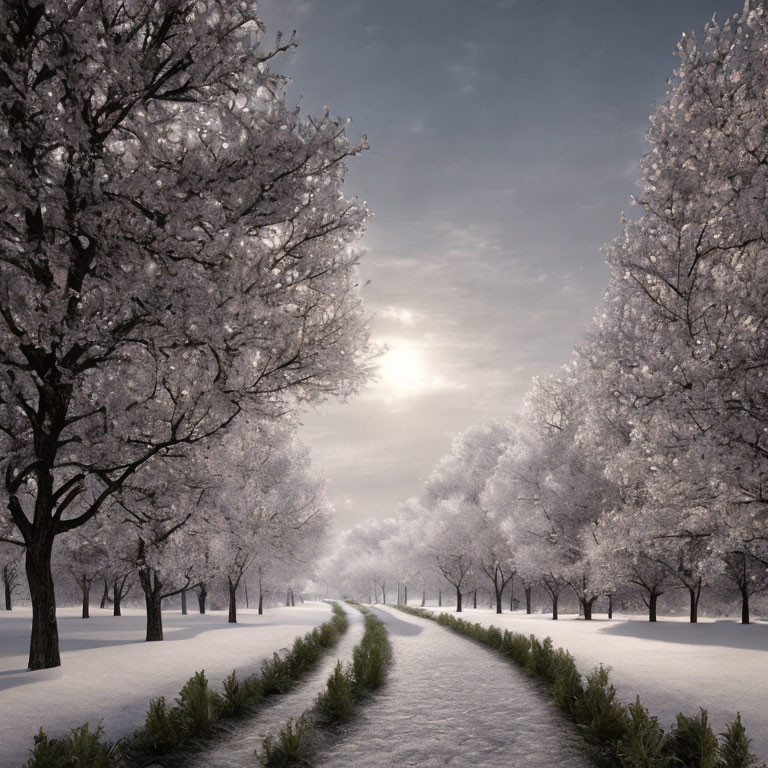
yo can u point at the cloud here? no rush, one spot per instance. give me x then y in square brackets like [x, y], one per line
[401, 315]
[465, 74]
[410, 369]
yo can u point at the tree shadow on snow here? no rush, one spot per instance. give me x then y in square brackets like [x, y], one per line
[397, 626]
[125, 630]
[725, 633]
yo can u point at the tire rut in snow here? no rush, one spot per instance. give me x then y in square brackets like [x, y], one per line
[450, 702]
[235, 749]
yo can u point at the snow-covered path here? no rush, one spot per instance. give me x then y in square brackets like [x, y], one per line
[108, 672]
[236, 748]
[674, 666]
[450, 702]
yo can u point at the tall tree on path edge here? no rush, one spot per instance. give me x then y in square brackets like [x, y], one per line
[174, 247]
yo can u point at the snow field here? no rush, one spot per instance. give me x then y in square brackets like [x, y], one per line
[237, 748]
[109, 673]
[674, 666]
[450, 702]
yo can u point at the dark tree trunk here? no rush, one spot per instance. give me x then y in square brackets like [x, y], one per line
[554, 607]
[232, 602]
[610, 606]
[423, 596]
[154, 617]
[202, 594]
[744, 605]
[116, 603]
[183, 602]
[653, 599]
[9, 584]
[694, 593]
[384, 592]
[85, 587]
[405, 594]
[440, 598]
[245, 586]
[44, 641]
[104, 594]
[474, 599]
[293, 599]
[261, 604]
[586, 606]
[288, 599]
[528, 599]
[498, 600]
[458, 600]
[153, 600]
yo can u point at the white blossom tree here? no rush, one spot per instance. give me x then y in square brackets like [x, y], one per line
[173, 245]
[684, 324]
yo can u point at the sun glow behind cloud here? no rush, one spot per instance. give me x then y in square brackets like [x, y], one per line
[406, 371]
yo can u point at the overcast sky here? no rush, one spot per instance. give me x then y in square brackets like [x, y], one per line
[505, 137]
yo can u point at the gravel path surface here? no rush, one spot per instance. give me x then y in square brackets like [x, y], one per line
[450, 702]
[674, 666]
[236, 749]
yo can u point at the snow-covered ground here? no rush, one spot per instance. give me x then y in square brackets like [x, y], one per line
[672, 665]
[235, 750]
[450, 702]
[108, 672]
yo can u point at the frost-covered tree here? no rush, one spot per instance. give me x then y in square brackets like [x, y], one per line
[269, 507]
[173, 244]
[462, 477]
[359, 565]
[685, 320]
[449, 529]
[84, 554]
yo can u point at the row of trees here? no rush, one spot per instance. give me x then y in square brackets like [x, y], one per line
[176, 276]
[644, 461]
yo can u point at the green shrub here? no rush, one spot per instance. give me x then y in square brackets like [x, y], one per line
[540, 661]
[733, 751]
[692, 742]
[336, 704]
[162, 727]
[81, 749]
[274, 676]
[603, 718]
[326, 635]
[644, 745]
[371, 656]
[516, 646]
[493, 638]
[305, 653]
[237, 696]
[566, 687]
[197, 705]
[47, 753]
[289, 748]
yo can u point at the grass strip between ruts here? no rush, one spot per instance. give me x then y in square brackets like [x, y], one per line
[346, 689]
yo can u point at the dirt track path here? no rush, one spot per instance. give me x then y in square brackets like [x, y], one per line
[450, 702]
[236, 749]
